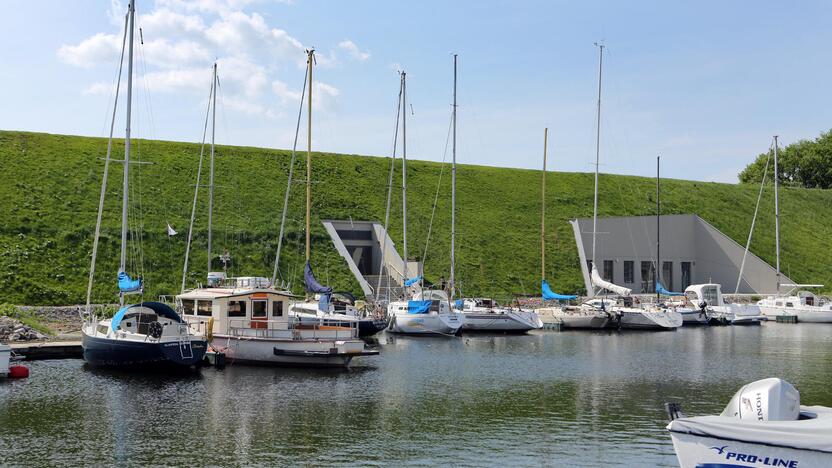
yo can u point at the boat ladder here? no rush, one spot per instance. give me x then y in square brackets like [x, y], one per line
[185, 349]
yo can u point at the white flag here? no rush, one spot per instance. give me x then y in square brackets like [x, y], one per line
[171, 232]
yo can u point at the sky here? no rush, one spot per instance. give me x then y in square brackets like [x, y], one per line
[703, 84]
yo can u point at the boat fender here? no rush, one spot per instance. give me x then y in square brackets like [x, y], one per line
[155, 330]
[209, 330]
[18, 372]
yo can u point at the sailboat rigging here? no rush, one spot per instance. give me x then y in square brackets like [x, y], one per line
[146, 335]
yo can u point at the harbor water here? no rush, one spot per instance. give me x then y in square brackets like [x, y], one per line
[543, 399]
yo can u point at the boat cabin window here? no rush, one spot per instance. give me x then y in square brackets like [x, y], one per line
[103, 329]
[277, 308]
[188, 307]
[809, 300]
[789, 304]
[236, 308]
[258, 308]
[709, 295]
[204, 308]
[779, 303]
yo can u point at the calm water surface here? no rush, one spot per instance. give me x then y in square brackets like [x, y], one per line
[548, 398]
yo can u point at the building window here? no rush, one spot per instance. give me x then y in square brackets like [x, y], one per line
[277, 308]
[648, 277]
[236, 308]
[686, 281]
[608, 271]
[258, 308]
[204, 308]
[667, 275]
[629, 271]
[188, 307]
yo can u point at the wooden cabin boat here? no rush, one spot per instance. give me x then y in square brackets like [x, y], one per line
[249, 321]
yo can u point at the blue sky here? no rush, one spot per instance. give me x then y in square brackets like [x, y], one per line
[704, 84]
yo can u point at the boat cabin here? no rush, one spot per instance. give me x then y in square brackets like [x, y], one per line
[236, 306]
[709, 293]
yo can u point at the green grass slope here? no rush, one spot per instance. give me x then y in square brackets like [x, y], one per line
[49, 199]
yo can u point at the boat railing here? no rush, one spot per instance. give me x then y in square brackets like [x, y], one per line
[254, 328]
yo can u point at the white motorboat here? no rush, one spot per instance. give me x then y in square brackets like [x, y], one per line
[708, 297]
[764, 425]
[5, 357]
[248, 320]
[805, 306]
[483, 314]
[428, 313]
[337, 309]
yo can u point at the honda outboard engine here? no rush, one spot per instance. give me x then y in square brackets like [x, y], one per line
[765, 400]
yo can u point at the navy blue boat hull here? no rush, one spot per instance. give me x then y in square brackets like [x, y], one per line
[102, 352]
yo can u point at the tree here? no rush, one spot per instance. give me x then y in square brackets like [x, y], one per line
[804, 164]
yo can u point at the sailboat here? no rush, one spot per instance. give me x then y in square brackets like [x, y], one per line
[248, 319]
[481, 314]
[626, 315]
[586, 316]
[428, 311]
[668, 312]
[144, 335]
[803, 305]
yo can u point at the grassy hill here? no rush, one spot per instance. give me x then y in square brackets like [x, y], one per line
[49, 197]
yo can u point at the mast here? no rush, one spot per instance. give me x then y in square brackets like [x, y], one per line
[543, 209]
[453, 195]
[309, 61]
[125, 187]
[404, 172]
[658, 230]
[597, 150]
[776, 213]
[211, 171]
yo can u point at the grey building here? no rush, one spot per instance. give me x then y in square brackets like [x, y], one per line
[692, 252]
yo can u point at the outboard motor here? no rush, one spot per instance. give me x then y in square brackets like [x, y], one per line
[765, 400]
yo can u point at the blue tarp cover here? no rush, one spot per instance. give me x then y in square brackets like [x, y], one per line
[323, 303]
[459, 304]
[549, 295]
[312, 285]
[412, 281]
[163, 310]
[127, 284]
[661, 290]
[418, 307]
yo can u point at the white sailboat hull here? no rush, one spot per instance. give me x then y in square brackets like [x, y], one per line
[701, 451]
[639, 319]
[509, 320]
[804, 314]
[426, 324]
[578, 319]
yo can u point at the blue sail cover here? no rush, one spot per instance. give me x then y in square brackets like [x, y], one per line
[549, 295]
[162, 310]
[661, 290]
[418, 307]
[127, 284]
[459, 304]
[412, 281]
[312, 285]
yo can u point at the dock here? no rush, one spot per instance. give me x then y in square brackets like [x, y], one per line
[34, 351]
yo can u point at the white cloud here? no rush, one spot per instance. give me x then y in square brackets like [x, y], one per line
[181, 38]
[100, 48]
[353, 50]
